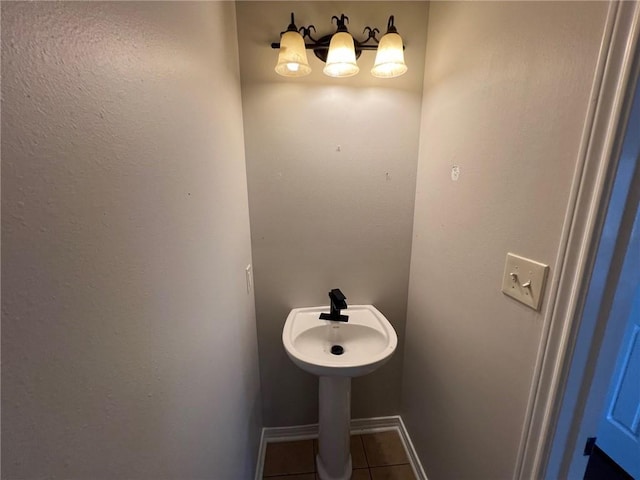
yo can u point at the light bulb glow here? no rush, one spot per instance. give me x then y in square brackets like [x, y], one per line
[389, 61]
[341, 59]
[292, 59]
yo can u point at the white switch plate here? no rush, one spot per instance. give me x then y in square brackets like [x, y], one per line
[524, 280]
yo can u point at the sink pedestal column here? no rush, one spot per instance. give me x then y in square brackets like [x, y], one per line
[334, 452]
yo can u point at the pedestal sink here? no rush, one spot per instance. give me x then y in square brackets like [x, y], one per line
[337, 351]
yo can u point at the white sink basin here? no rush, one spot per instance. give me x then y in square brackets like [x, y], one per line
[367, 339]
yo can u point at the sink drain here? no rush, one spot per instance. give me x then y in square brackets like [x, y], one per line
[337, 350]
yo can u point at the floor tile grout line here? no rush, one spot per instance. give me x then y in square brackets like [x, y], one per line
[390, 465]
[313, 457]
[365, 452]
[265, 477]
[288, 475]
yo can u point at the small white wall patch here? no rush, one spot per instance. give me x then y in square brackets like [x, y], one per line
[249, 278]
[455, 173]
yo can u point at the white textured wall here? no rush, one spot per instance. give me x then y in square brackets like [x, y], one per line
[128, 337]
[506, 89]
[323, 218]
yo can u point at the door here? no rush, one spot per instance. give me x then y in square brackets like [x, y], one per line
[619, 429]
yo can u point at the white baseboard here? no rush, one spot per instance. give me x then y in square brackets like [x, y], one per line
[358, 426]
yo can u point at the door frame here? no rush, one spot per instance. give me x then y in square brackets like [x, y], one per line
[605, 317]
[610, 102]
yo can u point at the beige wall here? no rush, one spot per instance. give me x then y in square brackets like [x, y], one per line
[128, 342]
[128, 337]
[323, 218]
[506, 89]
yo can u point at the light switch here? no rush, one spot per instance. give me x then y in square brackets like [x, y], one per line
[524, 280]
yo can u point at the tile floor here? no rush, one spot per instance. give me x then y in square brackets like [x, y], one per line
[375, 456]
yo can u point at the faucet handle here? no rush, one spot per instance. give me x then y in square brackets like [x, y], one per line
[338, 298]
[338, 302]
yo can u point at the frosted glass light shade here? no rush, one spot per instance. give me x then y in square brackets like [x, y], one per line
[389, 58]
[292, 59]
[341, 59]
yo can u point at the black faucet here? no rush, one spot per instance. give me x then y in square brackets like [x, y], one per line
[338, 302]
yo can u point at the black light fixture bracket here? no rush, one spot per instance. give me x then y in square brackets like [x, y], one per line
[320, 46]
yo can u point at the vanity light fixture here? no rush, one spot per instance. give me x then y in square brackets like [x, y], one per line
[341, 58]
[292, 59]
[390, 54]
[339, 50]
